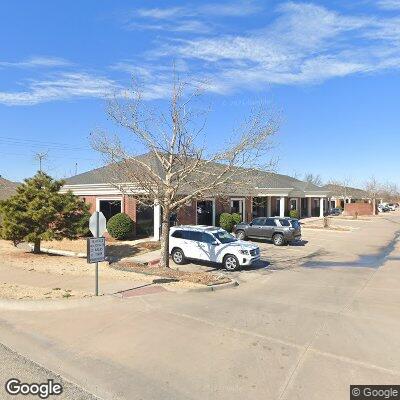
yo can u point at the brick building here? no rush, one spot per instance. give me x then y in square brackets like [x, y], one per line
[271, 195]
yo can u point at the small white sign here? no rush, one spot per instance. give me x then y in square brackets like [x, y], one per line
[93, 224]
[96, 249]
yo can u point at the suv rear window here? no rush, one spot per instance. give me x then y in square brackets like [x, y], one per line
[270, 222]
[284, 222]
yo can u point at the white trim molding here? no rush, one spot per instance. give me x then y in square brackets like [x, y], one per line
[243, 211]
[120, 198]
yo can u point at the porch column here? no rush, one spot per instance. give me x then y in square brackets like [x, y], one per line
[282, 207]
[157, 221]
[309, 213]
[321, 207]
[269, 205]
[299, 207]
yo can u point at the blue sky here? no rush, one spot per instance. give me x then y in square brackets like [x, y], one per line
[330, 67]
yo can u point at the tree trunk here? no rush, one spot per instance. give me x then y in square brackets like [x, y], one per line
[36, 246]
[374, 206]
[164, 262]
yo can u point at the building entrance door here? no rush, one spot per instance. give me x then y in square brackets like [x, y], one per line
[205, 212]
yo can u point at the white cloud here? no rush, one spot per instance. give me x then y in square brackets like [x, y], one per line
[302, 43]
[191, 25]
[38, 61]
[389, 4]
[306, 43]
[64, 86]
[228, 9]
[191, 18]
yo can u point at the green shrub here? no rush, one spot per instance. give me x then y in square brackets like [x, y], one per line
[294, 214]
[226, 221]
[237, 218]
[120, 226]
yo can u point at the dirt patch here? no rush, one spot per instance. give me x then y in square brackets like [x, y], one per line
[25, 292]
[202, 278]
[23, 261]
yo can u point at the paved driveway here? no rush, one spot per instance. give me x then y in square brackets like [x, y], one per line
[295, 332]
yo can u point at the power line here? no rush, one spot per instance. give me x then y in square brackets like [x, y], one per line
[40, 157]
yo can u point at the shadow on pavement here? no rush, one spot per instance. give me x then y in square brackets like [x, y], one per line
[374, 260]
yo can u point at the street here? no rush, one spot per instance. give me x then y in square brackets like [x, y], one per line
[14, 365]
[300, 330]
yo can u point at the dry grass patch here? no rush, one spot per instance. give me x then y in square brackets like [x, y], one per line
[122, 248]
[202, 278]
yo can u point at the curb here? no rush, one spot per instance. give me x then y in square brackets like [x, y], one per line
[61, 252]
[212, 288]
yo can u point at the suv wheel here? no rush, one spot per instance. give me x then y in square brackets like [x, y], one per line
[241, 235]
[231, 263]
[278, 239]
[178, 256]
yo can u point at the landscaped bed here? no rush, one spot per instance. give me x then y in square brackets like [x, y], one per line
[20, 271]
[202, 278]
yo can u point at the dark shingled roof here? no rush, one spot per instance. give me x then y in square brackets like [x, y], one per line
[261, 179]
[7, 188]
[338, 190]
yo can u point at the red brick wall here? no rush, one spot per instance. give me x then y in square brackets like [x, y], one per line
[360, 208]
[129, 206]
[91, 201]
[187, 214]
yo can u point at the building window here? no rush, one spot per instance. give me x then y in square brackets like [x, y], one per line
[237, 207]
[145, 220]
[293, 204]
[260, 206]
[110, 207]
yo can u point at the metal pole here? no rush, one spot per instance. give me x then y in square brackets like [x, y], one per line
[97, 264]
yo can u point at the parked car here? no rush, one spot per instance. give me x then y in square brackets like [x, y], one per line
[392, 207]
[279, 230]
[209, 243]
[383, 208]
[335, 211]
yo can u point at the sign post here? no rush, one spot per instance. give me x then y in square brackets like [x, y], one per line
[96, 245]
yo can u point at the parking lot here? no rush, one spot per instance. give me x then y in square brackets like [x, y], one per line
[321, 316]
[364, 244]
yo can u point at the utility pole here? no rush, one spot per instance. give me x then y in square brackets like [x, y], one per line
[40, 157]
[76, 168]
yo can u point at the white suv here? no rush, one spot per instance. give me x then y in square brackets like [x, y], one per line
[209, 243]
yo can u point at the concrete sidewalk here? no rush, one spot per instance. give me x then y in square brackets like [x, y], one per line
[302, 333]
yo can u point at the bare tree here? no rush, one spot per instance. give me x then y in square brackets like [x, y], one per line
[180, 165]
[374, 190]
[313, 178]
[389, 192]
[341, 188]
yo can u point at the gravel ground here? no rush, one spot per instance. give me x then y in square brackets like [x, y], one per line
[13, 365]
